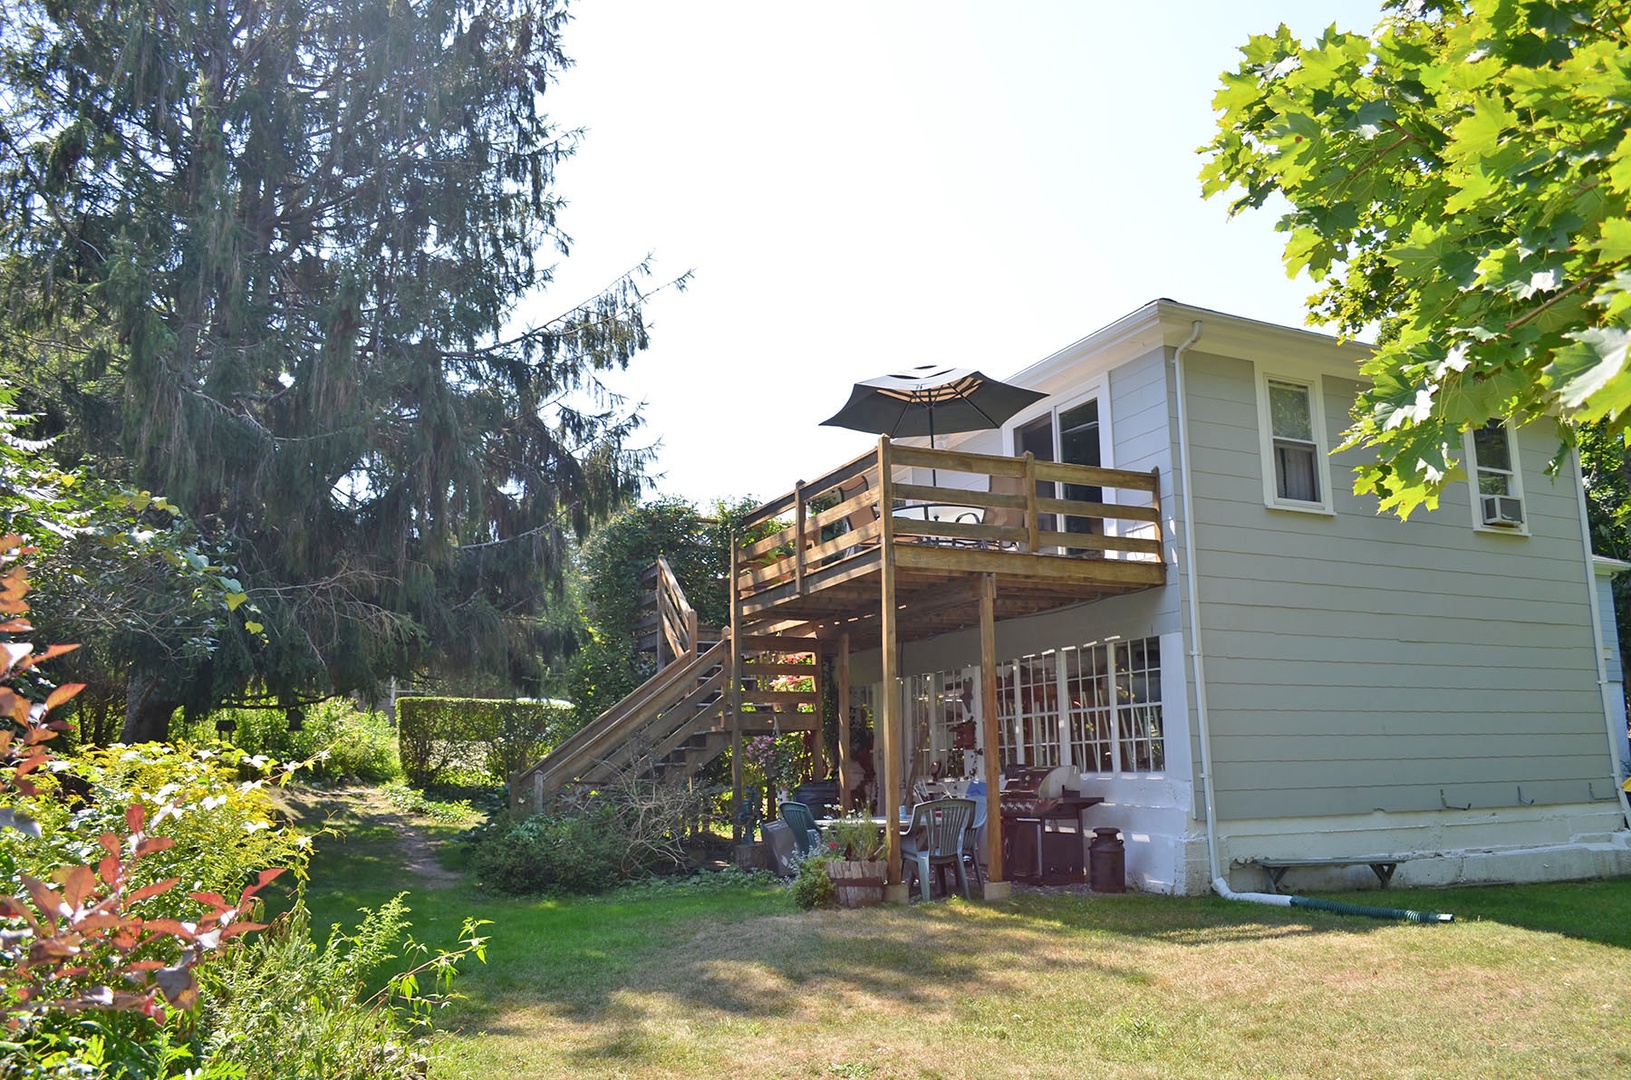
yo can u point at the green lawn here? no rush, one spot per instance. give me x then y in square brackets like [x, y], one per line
[1529, 981]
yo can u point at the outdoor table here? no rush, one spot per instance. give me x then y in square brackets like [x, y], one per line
[938, 511]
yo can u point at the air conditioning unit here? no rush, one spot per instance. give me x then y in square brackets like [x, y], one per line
[1503, 511]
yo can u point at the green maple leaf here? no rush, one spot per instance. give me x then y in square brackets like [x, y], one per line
[1590, 374]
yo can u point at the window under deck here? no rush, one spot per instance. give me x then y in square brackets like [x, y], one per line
[814, 563]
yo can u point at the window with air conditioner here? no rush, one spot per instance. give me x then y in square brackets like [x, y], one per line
[1292, 431]
[1497, 492]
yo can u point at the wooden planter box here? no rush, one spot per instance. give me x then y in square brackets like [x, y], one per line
[859, 884]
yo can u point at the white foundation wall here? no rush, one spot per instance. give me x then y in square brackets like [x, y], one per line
[1446, 848]
[1157, 831]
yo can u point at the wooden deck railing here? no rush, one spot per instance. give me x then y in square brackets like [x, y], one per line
[676, 618]
[974, 501]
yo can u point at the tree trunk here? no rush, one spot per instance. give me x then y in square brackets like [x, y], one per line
[147, 714]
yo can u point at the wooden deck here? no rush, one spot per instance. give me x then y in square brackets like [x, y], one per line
[812, 563]
[869, 556]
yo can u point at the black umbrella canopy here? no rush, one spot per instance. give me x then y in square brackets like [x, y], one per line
[931, 399]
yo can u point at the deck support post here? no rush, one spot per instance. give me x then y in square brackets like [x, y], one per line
[735, 701]
[891, 720]
[991, 761]
[846, 765]
[798, 536]
[818, 749]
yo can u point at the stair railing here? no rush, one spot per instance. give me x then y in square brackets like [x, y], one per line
[676, 618]
[616, 726]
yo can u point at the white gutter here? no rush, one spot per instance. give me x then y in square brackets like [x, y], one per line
[1197, 658]
[1615, 725]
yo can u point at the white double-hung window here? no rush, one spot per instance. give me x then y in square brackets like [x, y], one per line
[1492, 466]
[1292, 432]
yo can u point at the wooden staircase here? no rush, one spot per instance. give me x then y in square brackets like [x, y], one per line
[684, 716]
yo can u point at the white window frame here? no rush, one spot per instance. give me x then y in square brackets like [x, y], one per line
[1119, 713]
[1051, 407]
[1315, 386]
[1515, 482]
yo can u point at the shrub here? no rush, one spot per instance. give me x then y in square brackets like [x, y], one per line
[80, 936]
[339, 741]
[813, 888]
[96, 1044]
[224, 828]
[435, 732]
[280, 1006]
[855, 836]
[566, 853]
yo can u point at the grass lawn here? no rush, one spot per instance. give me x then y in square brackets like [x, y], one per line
[1530, 981]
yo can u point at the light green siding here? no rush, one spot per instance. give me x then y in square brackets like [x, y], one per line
[1358, 663]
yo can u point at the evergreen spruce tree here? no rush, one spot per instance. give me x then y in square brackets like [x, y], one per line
[262, 257]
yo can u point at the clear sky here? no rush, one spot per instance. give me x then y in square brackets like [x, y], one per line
[862, 187]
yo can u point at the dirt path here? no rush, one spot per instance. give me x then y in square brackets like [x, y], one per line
[418, 856]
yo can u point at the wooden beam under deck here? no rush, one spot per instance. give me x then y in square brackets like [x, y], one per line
[939, 594]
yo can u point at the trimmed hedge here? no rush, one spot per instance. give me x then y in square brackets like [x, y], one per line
[500, 736]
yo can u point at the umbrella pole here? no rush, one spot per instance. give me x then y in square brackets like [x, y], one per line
[934, 473]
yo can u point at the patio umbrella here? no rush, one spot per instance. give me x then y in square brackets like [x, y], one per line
[928, 399]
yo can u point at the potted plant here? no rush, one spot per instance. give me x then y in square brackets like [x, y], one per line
[857, 868]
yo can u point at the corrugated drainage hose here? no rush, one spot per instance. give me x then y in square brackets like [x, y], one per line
[1372, 912]
[1221, 887]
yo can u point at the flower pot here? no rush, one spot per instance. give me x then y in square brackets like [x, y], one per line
[858, 884]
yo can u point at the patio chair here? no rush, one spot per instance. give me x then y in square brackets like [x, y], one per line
[935, 840]
[797, 816]
[974, 837]
[856, 519]
[1001, 517]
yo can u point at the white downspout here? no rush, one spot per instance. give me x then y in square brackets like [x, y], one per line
[1615, 725]
[1197, 657]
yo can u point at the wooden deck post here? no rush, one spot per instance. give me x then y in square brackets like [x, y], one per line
[1033, 521]
[890, 720]
[991, 761]
[818, 752]
[798, 535]
[735, 693]
[845, 762]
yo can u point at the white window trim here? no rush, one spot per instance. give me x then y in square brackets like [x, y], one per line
[1054, 404]
[1322, 445]
[1470, 459]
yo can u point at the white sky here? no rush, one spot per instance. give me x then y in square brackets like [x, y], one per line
[862, 187]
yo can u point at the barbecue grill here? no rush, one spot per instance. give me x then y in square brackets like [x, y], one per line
[1042, 835]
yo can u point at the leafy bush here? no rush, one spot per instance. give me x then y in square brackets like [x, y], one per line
[224, 829]
[280, 1006]
[444, 811]
[80, 934]
[96, 1044]
[434, 732]
[566, 853]
[813, 888]
[336, 739]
